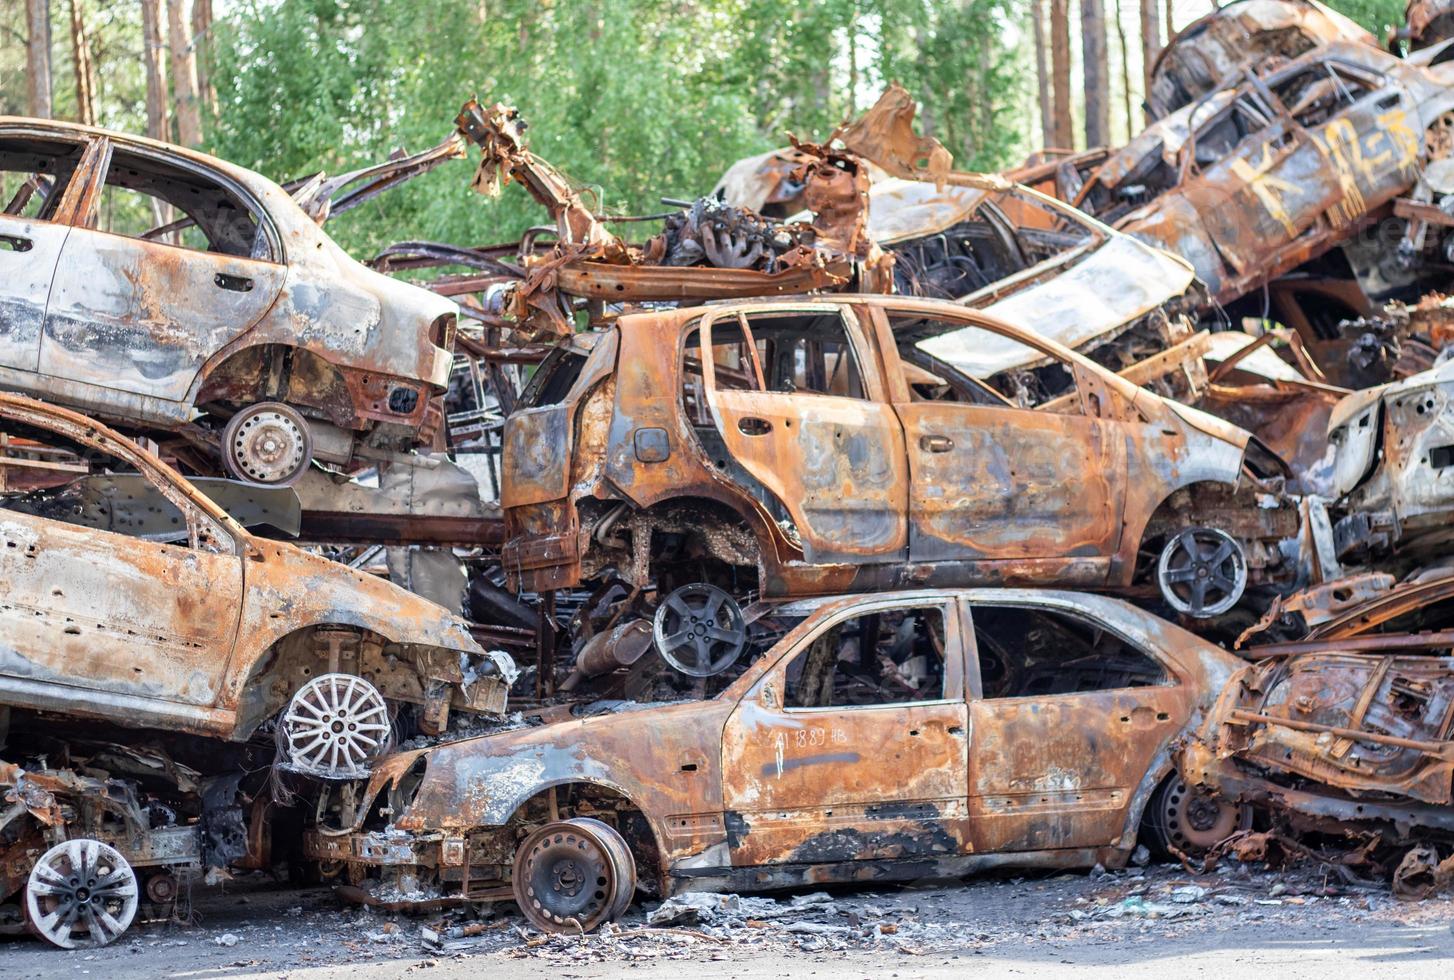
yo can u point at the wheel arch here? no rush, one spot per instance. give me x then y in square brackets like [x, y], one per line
[271, 371]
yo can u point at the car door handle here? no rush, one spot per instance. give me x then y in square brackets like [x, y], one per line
[16, 244]
[936, 444]
[751, 425]
[238, 284]
[1388, 101]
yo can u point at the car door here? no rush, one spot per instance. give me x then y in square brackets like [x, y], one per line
[852, 747]
[1369, 128]
[139, 301]
[1066, 717]
[991, 481]
[804, 417]
[1266, 191]
[34, 172]
[100, 622]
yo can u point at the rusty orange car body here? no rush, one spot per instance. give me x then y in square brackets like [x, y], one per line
[209, 633]
[761, 786]
[921, 474]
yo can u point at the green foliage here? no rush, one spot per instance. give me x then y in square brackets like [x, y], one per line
[637, 98]
[1378, 16]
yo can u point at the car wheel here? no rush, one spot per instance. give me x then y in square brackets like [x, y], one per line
[1202, 572]
[81, 894]
[267, 443]
[699, 630]
[573, 875]
[1184, 819]
[335, 727]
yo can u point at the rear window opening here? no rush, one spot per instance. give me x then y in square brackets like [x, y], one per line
[1026, 653]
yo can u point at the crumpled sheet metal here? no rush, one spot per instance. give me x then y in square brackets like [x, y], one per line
[1106, 291]
[1208, 52]
[1337, 738]
[591, 263]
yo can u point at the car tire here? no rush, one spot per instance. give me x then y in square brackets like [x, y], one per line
[1182, 819]
[573, 876]
[268, 444]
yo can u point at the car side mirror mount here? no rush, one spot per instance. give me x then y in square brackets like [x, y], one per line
[768, 697]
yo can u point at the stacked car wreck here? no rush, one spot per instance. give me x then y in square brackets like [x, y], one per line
[777, 506]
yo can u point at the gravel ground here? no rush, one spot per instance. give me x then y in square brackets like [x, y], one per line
[1161, 922]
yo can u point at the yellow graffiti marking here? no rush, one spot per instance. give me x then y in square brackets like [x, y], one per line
[1269, 190]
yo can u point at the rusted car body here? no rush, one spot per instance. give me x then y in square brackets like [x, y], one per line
[1249, 183]
[202, 628]
[904, 735]
[1426, 23]
[142, 819]
[1337, 740]
[147, 283]
[1211, 51]
[835, 444]
[1393, 468]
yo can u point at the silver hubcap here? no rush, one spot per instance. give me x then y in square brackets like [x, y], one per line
[335, 726]
[1202, 572]
[81, 893]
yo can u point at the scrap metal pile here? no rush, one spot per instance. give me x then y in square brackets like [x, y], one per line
[868, 520]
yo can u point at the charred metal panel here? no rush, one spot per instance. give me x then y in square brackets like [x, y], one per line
[151, 313]
[536, 455]
[29, 251]
[1004, 483]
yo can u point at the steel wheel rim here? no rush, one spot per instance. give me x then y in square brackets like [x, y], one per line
[335, 726]
[1192, 821]
[81, 885]
[565, 877]
[1202, 572]
[624, 863]
[267, 444]
[699, 630]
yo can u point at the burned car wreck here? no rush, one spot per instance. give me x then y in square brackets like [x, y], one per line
[872, 738]
[201, 627]
[1212, 50]
[823, 444]
[1268, 183]
[232, 324]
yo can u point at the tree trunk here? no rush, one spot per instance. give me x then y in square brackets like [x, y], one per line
[85, 70]
[1042, 74]
[1125, 71]
[156, 78]
[37, 57]
[202, 41]
[1096, 71]
[1060, 68]
[1150, 39]
[184, 75]
[1170, 23]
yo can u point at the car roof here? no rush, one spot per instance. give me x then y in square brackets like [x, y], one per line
[63, 129]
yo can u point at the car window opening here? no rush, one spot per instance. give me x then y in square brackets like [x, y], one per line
[1026, 652]
[891, 656]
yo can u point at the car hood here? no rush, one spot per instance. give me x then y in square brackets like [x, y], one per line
[1110, 287]
[481, 781]
[300, 588]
